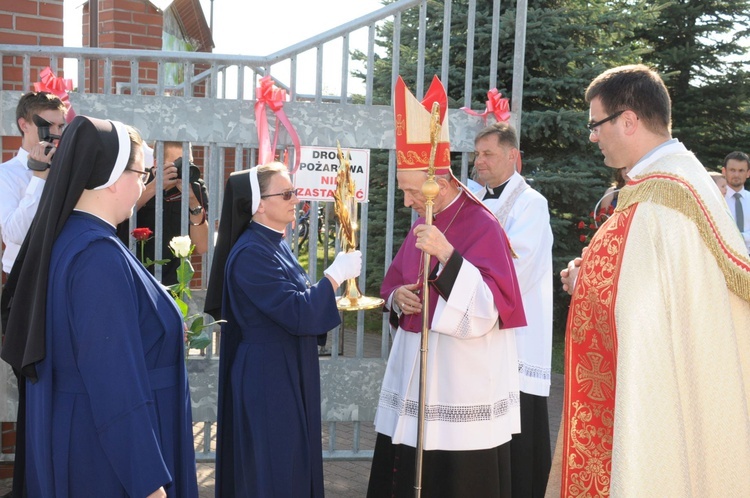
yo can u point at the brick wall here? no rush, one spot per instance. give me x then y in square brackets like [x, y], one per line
[27, 22]
[125, 24]
[199, 158]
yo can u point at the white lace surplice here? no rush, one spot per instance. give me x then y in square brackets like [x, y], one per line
[472, 377]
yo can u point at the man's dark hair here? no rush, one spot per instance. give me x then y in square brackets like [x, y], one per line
[737, 156]
[35, 102]
[637, 88]
[505, 133]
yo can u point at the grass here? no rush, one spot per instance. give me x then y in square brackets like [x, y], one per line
[558, 353]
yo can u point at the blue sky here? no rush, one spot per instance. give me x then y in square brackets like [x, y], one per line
[269, 26]
[251, 27]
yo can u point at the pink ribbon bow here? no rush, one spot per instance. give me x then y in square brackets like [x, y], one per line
[496, 105]
[267, 94]
[57, 86]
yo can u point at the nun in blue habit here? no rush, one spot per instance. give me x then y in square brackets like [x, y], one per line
[269, 426]
[98, 340]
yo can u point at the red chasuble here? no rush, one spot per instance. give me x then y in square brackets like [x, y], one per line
[591, 363]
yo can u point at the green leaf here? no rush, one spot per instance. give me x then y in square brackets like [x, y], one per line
[185, 272]
[200, 341]
[182, 305]
[197, 324]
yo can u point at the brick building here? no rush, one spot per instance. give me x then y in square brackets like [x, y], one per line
[140, 24]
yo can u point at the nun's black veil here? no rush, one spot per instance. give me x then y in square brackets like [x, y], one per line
[85, 159]
[236, 213]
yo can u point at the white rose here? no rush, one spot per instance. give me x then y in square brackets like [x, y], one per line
[181, 246]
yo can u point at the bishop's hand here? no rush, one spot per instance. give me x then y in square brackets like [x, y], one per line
[407, 299]
[433, 242]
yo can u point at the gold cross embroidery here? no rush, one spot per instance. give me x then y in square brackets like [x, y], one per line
[595, 376]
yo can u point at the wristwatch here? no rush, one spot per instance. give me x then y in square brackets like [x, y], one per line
[196, 210]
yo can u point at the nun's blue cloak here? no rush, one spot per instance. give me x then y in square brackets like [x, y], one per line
[110, 413]
[269, 439]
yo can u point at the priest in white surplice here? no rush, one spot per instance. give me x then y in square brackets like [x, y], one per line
[472, 405]
[523, 213]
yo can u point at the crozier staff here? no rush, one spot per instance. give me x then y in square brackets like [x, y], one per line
[269, 433]
[97, 338]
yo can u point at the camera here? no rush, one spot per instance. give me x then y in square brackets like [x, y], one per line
[43, 130]
[195, 173]
[195, 179]
[43, 126]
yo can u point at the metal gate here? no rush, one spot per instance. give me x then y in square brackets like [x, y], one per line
[213, 110]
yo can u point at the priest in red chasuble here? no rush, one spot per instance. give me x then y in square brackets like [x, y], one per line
[472, 394]
[657, 367]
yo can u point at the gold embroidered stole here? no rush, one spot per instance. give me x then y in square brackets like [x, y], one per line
[675, 192]
[590, 363]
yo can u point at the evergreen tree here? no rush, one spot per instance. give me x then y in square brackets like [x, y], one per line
[698, 46]
[568, 44]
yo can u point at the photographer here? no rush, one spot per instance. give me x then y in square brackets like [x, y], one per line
[172, 204]
[20, 186]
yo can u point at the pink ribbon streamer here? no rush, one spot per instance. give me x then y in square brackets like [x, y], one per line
[267, 94]
[496, 105]
[57, 86]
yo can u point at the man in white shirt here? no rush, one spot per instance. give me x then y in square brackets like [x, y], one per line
[21, 187]
[523, 213]
[737, 170]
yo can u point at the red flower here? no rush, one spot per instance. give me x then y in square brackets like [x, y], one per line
[592, 226]
[142, 234]
[582, 238]
[581, 225]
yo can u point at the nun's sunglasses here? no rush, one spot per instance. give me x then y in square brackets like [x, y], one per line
[286, 195]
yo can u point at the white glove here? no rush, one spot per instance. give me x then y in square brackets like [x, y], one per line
[346, 265]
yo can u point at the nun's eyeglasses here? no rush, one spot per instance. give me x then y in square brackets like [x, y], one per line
[143, 174]
[286, 195]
